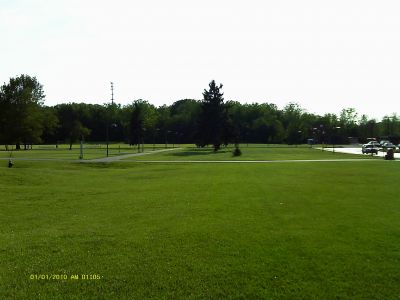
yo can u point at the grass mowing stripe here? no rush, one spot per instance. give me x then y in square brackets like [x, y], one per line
[201, 230]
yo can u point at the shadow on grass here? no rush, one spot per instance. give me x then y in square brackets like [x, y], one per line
[104, 165]
[199, 152]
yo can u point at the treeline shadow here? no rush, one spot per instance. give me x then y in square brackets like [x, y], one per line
[199, 152]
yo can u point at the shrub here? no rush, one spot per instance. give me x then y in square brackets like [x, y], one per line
[236, 152]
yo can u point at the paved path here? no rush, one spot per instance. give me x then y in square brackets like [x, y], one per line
[252, 161]
[355, 150]
[119, 157]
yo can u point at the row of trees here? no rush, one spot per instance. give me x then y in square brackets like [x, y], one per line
[25, 120]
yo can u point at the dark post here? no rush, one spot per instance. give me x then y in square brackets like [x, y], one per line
[107, 138]
[299, 132]
[166, 141]
[154, 138]
[81, 148]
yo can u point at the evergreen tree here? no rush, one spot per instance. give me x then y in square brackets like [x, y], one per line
[213, 120]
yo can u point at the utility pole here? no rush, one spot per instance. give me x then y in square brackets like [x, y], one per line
[108, 121]
[112, 93]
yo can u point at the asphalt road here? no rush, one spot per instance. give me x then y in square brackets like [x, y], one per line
[356, 150]
[119, 157]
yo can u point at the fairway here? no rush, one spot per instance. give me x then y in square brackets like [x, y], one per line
[252, 152]
[199, 150]
[320, 230]
[90, 151]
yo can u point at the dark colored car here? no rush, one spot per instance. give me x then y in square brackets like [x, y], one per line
[382, 142]
[369, 149]
[388, 145]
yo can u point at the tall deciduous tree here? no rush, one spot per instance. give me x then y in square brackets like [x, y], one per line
[143, 119]
[71, 118]
[21, 114]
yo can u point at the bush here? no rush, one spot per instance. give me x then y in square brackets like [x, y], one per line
[236, 152]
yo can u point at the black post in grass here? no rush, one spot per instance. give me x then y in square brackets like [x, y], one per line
[299, 136]
[10, 162]
[322, 135]
[113, 125]
[81, 149]
[107, 138]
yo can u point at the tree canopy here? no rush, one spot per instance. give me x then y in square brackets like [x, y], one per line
[213, 120]
[24, 119]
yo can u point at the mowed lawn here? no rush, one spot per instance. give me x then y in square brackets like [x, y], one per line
[181, 153]
[312, 230]
[90, 151]
[252, 152]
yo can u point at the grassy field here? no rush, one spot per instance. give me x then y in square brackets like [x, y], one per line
[185, 152]
[91, 151]
[253, 152]
[312, 230]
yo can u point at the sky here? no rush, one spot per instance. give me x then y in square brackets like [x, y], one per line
[324, 55]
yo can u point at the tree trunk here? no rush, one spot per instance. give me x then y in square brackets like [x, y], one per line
[70, 146]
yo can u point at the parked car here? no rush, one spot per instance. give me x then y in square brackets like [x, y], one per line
[373, 143]
[382, 142]
[388, 145]
[369, 149]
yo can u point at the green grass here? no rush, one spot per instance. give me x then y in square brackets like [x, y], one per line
[253, 152]
[91, 151]
[187, 152]
[320, 230]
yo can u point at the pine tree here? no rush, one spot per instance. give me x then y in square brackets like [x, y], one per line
[213, 117]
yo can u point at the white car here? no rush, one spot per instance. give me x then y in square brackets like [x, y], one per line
[369, 149]
[372, 143]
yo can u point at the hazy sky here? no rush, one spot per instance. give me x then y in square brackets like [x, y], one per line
[325, 55]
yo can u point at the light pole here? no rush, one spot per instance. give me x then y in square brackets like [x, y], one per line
[154, 138]
[81, 149]
[299, 132]
[107, 134]
[107, 138]
[322, 136]
[179, 138]
[333, 140]
[174, 138]
[108, 107]
[144, 131]
[314, 133]
[166, 138]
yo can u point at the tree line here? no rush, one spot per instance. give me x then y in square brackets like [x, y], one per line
[26, 120]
